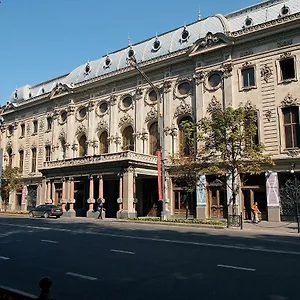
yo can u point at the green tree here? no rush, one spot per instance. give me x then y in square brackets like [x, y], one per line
[230, 145]
[11, 181]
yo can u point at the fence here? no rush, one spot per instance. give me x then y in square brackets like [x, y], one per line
[235, 221]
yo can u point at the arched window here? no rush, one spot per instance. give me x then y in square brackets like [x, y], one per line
[128, 141]
[184, 141]
[82, 146]
[10, 157]
[63, 148]
[153, 138]
[103, 142]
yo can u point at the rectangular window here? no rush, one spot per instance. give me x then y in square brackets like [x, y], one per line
[48, 153]
[248, 77]
[287, 67]
[21, 160]
[22, 130]
[49, 123]
[35, 126]
[291, 126]
[33, 160]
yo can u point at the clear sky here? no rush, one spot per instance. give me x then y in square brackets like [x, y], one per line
[42, 39]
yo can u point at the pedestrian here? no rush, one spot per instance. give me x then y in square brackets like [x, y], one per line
[255, 212]
[100, 208]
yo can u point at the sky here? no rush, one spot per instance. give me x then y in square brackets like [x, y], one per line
[43, 39]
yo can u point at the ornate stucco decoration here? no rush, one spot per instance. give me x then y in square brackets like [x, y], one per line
[42, 124]
[71, 108]
[48, 143]
[21, 148]
[176, 93]
[167, 86]
[110, 139]
[74, 146]
[289, 100]
[247, 64]
[102, 125]
[117, 140]
[112, 100]
[199, 77]
[59, 90]
[151, 115]
[286, 55]
[126, 120]
[268, 114]
[210, 40]
[143, 135]
[215, 103]
[9, 145]
[138, 93]
[91, 105]
[62, 135]
[265, 73]
[183, 109]
[226, 69]
[28, 128]
[172, 131]
[292, 152]
[33, 145]
[81, 129]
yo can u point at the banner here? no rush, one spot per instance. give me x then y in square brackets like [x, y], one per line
[23, 198]
[272, 187]
[201, 191]
[1, 164]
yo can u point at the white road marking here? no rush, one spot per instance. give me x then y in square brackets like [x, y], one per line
[142, 238]
[5, 258]
[81, 276]
[237, 268]
[18, 292]
[49, 241]
[122, 251]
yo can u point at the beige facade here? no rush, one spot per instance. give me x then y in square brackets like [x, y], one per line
[82, 139]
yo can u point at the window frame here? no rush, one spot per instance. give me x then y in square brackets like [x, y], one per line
[21, 160]
[33, 160]
[283, 126]
[23, 130]
[48, 153]
[247, 66]
[286, 56]
[35, 126]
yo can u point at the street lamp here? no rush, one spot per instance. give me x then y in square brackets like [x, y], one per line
[160, 139]
[296, 189]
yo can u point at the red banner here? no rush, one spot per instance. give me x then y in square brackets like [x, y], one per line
[159, 175]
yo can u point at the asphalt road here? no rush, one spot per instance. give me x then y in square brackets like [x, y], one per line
[92, 259]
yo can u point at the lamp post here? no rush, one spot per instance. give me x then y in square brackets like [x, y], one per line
[160, 139]
[296, 189]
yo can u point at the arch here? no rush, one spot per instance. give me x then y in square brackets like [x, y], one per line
[128, 140]
[153, 138]
[184, 141]
[103, 142]
[82, 146]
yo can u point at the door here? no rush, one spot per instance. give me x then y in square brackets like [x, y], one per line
[217, 202]
[251, 195]
[183, 202]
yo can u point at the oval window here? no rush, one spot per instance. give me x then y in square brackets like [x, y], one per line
[214, 80]
[156, 45]
[130, 53]
[63, 116]
[107, 62]
[184, 88]
[285, 10]
[152, 96]
[185, 34]
[248, 21]
[82, 112]
[103, 107]
[127, 101]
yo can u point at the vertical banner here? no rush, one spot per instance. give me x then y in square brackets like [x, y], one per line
[159, 175]
[201, 191]
[1, 164]
[23, 197]
[272, 187]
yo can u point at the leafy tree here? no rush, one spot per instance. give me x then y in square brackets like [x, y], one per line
[11, 180]
[230, 144]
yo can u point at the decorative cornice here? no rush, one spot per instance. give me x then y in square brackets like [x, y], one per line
[126, 120]
[183, 109]
[199, 77]
[102, 125]
[285, 55]
[289, 100]
[151, 115]
[81, 129]
[167, 86]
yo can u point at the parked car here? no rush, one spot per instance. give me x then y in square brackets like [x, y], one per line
[46, 211]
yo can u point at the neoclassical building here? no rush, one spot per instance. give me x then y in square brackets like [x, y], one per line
[92, 133]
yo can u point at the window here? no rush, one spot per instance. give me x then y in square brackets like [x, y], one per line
[248, 77]
[127, 102]
[291, 126]
[21, 160]
[10, 130]
[82, 146]
[184, 88]
[35, 126]
[22, 130]
[33, 160]
[128, 141]
[49, 123]
[214, 80]
[153, 138]
[48, 153]
[103, 142]
[10, 157]
[63, 148]
[287, 68]
[184, 140]
[152, 96]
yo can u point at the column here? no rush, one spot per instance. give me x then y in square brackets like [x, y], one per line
[201, 212]
[273, 198]
[128, 210]
[100, 192]
[63, 196]
[135, 200]
[48, 200]
[71, 195]
[91, 199]
[70, 129]
[53, 193]
[120, 199]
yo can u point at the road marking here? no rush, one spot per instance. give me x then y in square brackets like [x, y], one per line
[81, 276]
[121, 251]
[5, 258]
[237, 268]
[27, 295]
[49, 241]
[142, 238]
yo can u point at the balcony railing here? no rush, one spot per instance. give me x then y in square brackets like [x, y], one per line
[103, 158]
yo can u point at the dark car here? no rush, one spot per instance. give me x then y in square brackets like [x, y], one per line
[46, 211]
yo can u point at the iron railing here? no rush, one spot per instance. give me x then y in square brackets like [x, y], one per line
[235, 221]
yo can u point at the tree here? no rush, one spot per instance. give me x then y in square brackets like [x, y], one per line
[11, 181]
[230, 144]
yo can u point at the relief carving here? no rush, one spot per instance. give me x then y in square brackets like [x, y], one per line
[151, 115]
[126, 120]
[102, 125]
[183, 109]
[209, 40]
[266, 73]
[289, 100]
[81, 130]
[199, 77]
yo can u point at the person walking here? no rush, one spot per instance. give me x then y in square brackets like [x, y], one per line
[100, 208]
[255, 212]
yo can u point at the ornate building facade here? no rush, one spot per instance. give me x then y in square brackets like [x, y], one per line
[92, 133]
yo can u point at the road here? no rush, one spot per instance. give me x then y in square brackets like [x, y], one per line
[94, 259]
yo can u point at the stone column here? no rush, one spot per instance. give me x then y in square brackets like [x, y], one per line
[70, 129]
[100, 192]
[63, 196]
[53, 193]
[91, 200]
[120, 199]
[44, 192]
[70, 198]
[48, 200]
[273, 198]
[128, 210]
[201, 198]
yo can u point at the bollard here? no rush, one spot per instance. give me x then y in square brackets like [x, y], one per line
[241, 221]
[45, 287]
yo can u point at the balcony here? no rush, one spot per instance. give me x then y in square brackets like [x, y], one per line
[129, 156]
